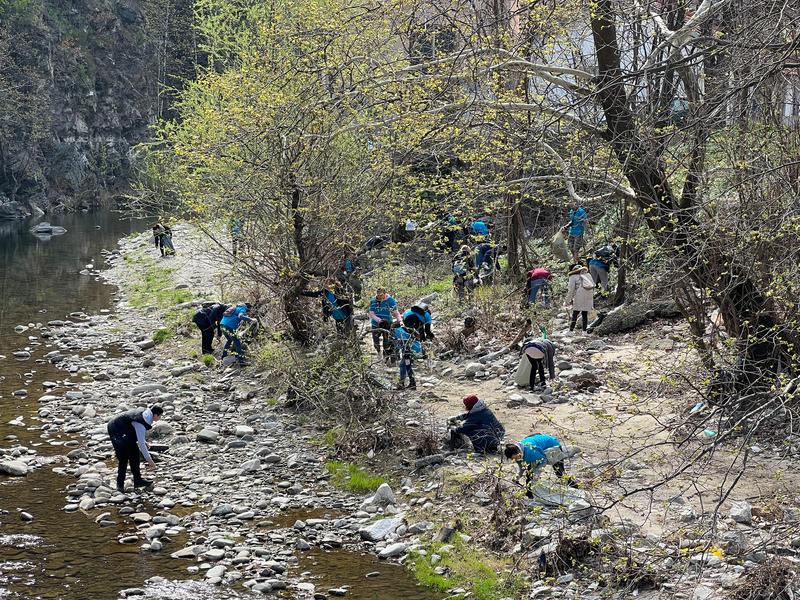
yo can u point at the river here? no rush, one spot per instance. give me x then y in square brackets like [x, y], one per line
[67, 556]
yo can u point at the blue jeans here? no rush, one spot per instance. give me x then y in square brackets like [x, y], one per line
[406, 368]
[543, 286]
[232, 340]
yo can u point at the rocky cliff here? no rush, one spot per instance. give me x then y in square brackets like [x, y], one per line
[80, 82]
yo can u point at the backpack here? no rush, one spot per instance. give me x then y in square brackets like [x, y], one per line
[587, 282]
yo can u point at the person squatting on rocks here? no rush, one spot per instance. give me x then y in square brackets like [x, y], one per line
[600, 264]
[538, 283]
[335, 305]
[418, 319]
[480, 426]
[538, 351]
[534, 452]
[231, 319]
[382, 307]
[207, 319]
[576, 229]
[127, 432]
[408, 347]
[580, 296]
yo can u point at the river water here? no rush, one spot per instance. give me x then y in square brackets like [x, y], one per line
[67, 556]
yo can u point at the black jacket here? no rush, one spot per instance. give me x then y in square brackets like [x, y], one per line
[122, 424]
[482, 428]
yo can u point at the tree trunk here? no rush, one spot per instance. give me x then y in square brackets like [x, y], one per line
[743, 306]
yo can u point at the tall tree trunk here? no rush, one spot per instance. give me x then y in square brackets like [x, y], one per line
[745, 309]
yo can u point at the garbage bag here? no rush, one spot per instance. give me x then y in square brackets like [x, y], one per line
[559, 247]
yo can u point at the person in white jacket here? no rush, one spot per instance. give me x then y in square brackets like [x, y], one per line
[580, 295]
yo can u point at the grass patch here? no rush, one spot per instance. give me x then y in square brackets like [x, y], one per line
[207, 360]
[465, 566]
[162, 335]
[155, 287]
[353, 478]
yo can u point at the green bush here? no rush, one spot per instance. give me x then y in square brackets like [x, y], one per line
[207, 360]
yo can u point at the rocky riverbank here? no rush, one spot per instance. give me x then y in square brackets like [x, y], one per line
[243, 497]
[231, 469]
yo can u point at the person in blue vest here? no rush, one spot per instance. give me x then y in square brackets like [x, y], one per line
[208, 319]
[480, 426]
[335, 305]
[382, 307]
[127, 432]
[576, 229]
[229, 324]
[535, 451]
[350, 274]
[600, 265]
[408, 348]
[418, 318]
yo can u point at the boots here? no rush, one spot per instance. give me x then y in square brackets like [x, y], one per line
[401, 385]
[412, 384]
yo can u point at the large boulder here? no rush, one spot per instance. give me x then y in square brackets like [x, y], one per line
[12, 210]
[377, 531]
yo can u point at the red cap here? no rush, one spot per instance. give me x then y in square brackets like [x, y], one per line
[470, 401]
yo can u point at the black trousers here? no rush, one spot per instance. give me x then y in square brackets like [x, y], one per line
[584, 319]
[206, 332]
[537, 365]
[127, 452]
[378, 335]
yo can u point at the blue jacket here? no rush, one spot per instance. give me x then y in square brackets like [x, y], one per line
[577, 221]
[482, 428]
[234, 316]
[406, 342]
[383, 310]
[479, 228]
[533, 448]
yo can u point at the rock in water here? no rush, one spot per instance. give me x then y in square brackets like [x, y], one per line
[393, 550]
[377, 531]
[14, 468]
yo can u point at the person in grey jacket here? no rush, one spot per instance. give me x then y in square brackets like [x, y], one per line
[538, 352]
[127, 432]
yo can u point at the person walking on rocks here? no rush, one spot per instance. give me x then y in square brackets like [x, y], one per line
[464, 273]
[535, 451]
[576, 229]
[407, 347]
[600, 265]
[382, 307]
[538, 352]
[480, 426]
[159, 232]
[231, 319]
[580, 296]
[208, 319]
[127, 432]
